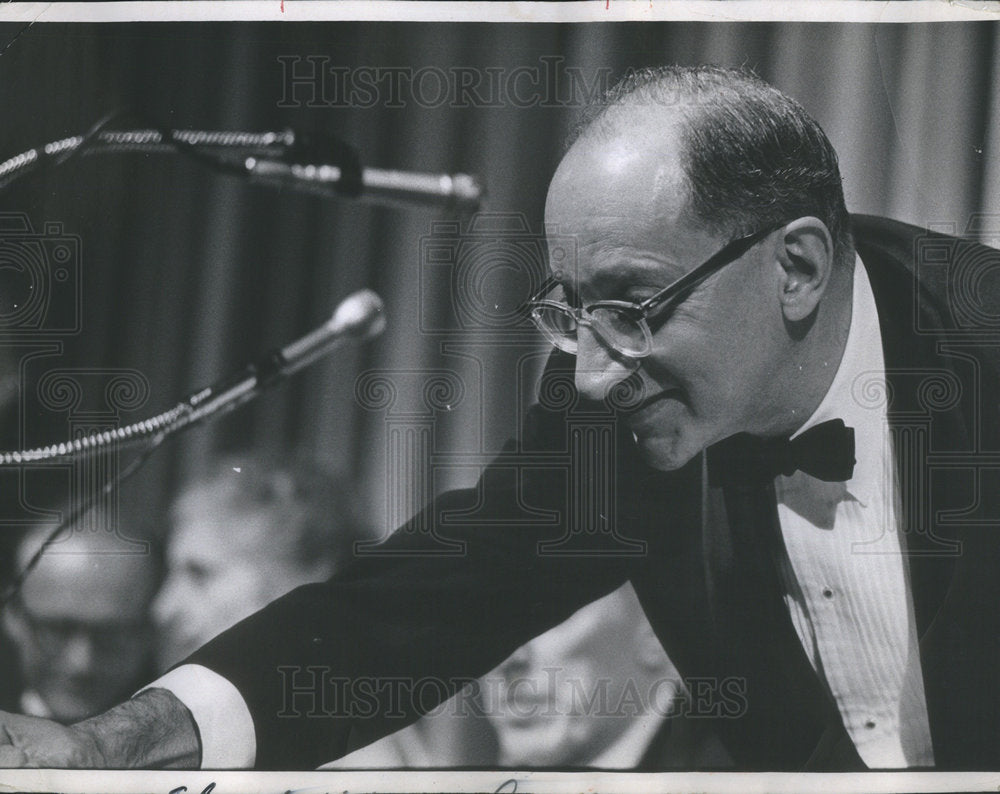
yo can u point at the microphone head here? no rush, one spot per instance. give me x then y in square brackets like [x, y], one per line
[360, 315]
[467, 192]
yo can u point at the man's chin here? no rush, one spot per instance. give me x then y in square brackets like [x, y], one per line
[538, 742]
[665, 432]
[666, 454]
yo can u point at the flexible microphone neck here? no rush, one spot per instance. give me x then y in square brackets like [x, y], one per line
[287, 159]
[358, 317]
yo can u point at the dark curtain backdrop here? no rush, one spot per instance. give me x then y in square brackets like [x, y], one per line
[186, 274]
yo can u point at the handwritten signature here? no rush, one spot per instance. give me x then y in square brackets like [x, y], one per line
[509, 786]
[181, 789]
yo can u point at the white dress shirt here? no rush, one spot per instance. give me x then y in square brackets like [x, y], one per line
[845, 575]
[225, 727]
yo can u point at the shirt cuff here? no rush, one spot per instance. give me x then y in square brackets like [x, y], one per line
[228, 740]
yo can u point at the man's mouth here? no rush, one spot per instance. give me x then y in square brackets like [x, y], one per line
[666, 394]
[526, 706]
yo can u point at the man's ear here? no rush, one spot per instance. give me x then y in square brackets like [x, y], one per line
[13, 624]
[805, 254]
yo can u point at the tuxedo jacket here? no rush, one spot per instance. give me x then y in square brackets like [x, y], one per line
[568, 512]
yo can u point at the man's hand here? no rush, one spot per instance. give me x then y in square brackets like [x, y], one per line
[30, 741]
[152, 730]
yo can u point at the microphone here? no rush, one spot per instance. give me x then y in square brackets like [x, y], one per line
[358, 317]
[459, 192]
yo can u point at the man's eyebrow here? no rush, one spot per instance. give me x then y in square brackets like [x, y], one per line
[615, 282]
[612, 282]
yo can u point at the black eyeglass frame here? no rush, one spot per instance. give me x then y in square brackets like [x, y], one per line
[676, 291]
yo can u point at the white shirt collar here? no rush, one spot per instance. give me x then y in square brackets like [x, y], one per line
[861, 373]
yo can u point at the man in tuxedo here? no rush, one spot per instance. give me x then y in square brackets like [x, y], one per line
[806, 514]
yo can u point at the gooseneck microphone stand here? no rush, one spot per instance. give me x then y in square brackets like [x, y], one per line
[321, 165]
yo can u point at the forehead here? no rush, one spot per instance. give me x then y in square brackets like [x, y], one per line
[623, 200]
[221, 535]
[89, 587]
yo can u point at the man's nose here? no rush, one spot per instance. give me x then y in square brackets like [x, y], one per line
[164, 605]
[79, 654]
[519, 663]
[597, 368]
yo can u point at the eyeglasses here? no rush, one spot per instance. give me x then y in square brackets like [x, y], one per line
[107, 638]
[622, 325]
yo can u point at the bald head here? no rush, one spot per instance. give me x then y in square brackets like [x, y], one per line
[750, 156]
[630, 182]
[652, 190]
[80, 623]
[103, 582]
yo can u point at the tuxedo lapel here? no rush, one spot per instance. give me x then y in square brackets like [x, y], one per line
[943, 391]
[913, 367]
[761, 641]
[791, 722]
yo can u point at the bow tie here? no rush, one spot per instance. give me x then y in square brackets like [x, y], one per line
[825, 452]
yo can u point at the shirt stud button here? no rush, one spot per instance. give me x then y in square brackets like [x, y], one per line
[827, 592]
[870, 724]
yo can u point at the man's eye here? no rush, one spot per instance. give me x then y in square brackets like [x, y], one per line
[637, 297]
[637, 293]
[197, 573]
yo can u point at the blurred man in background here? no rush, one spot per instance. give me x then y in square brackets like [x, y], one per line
[80, 625]
[595, 691]
[248, 533]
